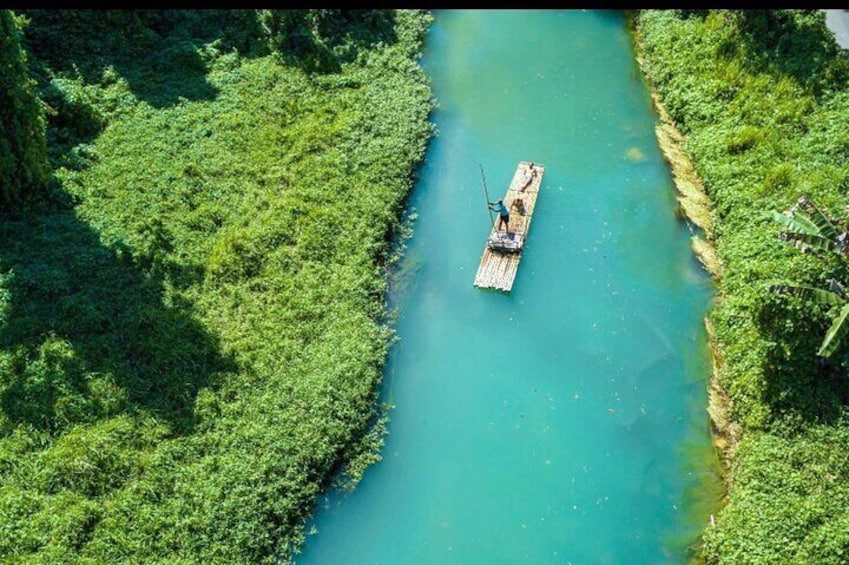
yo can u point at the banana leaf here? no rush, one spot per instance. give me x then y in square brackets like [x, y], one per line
[813, 294]
[838, 330]
[798, 223]
[826, 228]
[815, 242]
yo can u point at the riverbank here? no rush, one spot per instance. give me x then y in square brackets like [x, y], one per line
[761, 125]
[694, 206]
[193, 329]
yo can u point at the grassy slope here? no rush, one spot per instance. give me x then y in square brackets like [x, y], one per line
[765, 111]
[188, 350]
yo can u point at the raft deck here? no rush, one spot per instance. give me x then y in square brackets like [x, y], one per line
[498, 269]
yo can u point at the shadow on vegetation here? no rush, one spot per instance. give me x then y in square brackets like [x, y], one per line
[161, 53]
[73, 125]
[799, 383]
[158, 52]
[694, 13]
[795, 43]
[87, 334]
[353, 31]
[320, 41]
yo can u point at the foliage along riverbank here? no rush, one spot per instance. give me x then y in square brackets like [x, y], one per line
[761, 100]
[193, 324]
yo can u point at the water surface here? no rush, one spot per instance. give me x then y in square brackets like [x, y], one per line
[557, 423]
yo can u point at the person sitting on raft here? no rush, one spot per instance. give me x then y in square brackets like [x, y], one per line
[519, 205]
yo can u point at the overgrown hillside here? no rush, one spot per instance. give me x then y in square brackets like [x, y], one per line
[762, 98]
[192, 325]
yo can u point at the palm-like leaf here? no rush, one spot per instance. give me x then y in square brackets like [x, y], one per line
[838, 330]
[806, 241]
[798, 223]
[826, 228]
[818, 295]
[809, 230]
[806, 227]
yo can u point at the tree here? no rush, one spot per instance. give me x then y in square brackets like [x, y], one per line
[23, 145]
[295, 33]
[810, 230]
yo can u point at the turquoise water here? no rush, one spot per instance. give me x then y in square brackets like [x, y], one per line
[559, 423]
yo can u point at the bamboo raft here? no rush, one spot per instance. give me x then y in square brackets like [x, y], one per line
[498, 269]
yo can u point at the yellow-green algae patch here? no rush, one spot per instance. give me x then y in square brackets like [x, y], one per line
[693, 203]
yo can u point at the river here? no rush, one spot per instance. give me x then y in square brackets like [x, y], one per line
[564, 422]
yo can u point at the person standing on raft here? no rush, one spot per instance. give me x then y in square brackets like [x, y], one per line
[503, 214]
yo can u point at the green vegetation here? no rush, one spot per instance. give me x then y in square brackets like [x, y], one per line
[761, 97]
[812, 231]
[192, 320]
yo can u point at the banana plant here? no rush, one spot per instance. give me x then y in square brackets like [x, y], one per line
[809, 229]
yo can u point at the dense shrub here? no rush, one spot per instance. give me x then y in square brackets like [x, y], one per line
[191, 338]
[761, 97]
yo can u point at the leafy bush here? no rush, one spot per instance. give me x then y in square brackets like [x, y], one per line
[23, 158]
[761, 97]
[192, 337]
